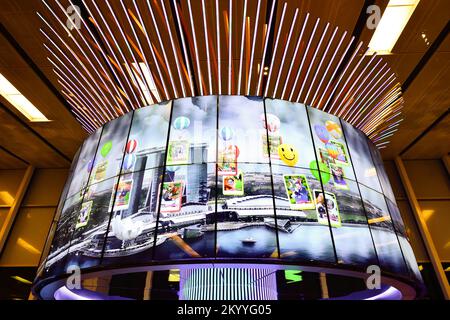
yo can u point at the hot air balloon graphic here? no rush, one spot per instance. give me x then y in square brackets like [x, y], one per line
[128, 162]
[90, 165]
[131, 146]
[333, 150]
[334, 129]
[181, 123]
[272, 124]
[322, 133]
[226, 133]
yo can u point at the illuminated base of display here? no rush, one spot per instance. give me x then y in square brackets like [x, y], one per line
[244, 284]
[228, 284]
[231, 180]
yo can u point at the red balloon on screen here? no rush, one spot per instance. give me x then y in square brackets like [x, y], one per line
[131, 146]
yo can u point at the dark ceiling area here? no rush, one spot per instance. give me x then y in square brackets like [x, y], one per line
[422, 68]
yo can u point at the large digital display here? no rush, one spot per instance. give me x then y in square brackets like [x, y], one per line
[223, 177]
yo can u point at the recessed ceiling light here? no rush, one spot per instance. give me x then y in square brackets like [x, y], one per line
[391, 25]
[19, 101]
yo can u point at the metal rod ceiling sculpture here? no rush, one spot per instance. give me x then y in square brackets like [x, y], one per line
[132, 53]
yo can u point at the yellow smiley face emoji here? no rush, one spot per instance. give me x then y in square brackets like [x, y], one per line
[288, 154]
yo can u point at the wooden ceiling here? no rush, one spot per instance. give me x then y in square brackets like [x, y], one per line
[423, 69]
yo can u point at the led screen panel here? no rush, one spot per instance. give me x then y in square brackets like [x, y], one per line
[381, 172]
[365, 170]
[386, 243]
[245, 213]
[329, 142]
[84, 163]
[146, 146]
[304, 232]
[242, 136]
[110, 151]
[350, 221]
[193, 131]
[186, 222]
[131, 233]
[289, 134]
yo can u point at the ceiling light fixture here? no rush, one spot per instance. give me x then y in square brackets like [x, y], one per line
[20, 102]
[394, 20]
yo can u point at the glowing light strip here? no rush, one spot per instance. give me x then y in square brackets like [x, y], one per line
[144, 79]
[253, 47]
[138, 64]
[364, 98]
[172, 42]
[219, 62]
[89, 60]
[346, 81]
[266, 42]
[130, 101]
[64, 82]
[208, 59]
[77, 107]
[380, 111]
[297, 46]
[155, 25]
[152, 50]
[122, 70]
[377, 92]
[118, 47]
[311, 37]
[350, 93]
[230, 44]
[98, 101]
[377, 117]
[360, 93]
[183, 43]
[275, 49]
[335, 51]
[330, 41]
[104, 100]
[244, 16]
[81, 120]
[200, 78]
[386, 128]
[338, 66]
[385, 135]
[390, 97]
[277, 82]
[311, 63]
[374, 124]
[130, 51]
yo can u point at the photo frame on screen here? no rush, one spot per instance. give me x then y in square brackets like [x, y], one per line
[172, 193]
[337, 172]
[298, 192]
[178, 152]
[84, 214]
[123, 194]
[327, 204]
[233, 185]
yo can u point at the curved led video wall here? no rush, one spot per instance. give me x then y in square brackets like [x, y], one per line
[229, 178]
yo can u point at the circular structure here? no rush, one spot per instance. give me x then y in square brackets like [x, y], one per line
[232, 191]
